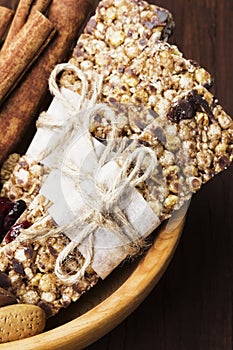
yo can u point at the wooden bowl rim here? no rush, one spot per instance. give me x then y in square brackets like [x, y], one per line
[95, 323]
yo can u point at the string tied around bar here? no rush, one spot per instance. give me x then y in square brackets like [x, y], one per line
[138, 163]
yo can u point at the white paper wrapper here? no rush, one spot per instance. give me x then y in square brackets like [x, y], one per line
[45, 138]
[72, 197]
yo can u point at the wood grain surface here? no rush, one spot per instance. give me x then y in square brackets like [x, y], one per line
[191, 306]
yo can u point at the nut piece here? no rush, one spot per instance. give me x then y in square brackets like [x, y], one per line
[20, 321]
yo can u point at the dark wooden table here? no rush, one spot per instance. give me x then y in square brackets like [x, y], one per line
[191, 307]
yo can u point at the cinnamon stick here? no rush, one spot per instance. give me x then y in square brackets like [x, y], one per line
[19, 20]
[25, 102]
[6, 15]
[41, 5]
[23, 50]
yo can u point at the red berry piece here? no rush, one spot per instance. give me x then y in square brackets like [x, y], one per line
[15, 231]
[9, 213]
[13, 215]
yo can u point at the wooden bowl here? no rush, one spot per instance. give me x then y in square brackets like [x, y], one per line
[111, 300]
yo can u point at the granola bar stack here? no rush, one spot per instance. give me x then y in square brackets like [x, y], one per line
[188, 131]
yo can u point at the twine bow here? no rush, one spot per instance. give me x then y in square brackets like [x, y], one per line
[109, 214]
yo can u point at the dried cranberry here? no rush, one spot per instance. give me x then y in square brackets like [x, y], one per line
[14, 214]
[9, 213]
[187, 107]
[15, 231]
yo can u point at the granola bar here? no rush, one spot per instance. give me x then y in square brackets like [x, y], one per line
[152, 79]
[193, 143]
[27, 268]
[112, 38]
[113, 27]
